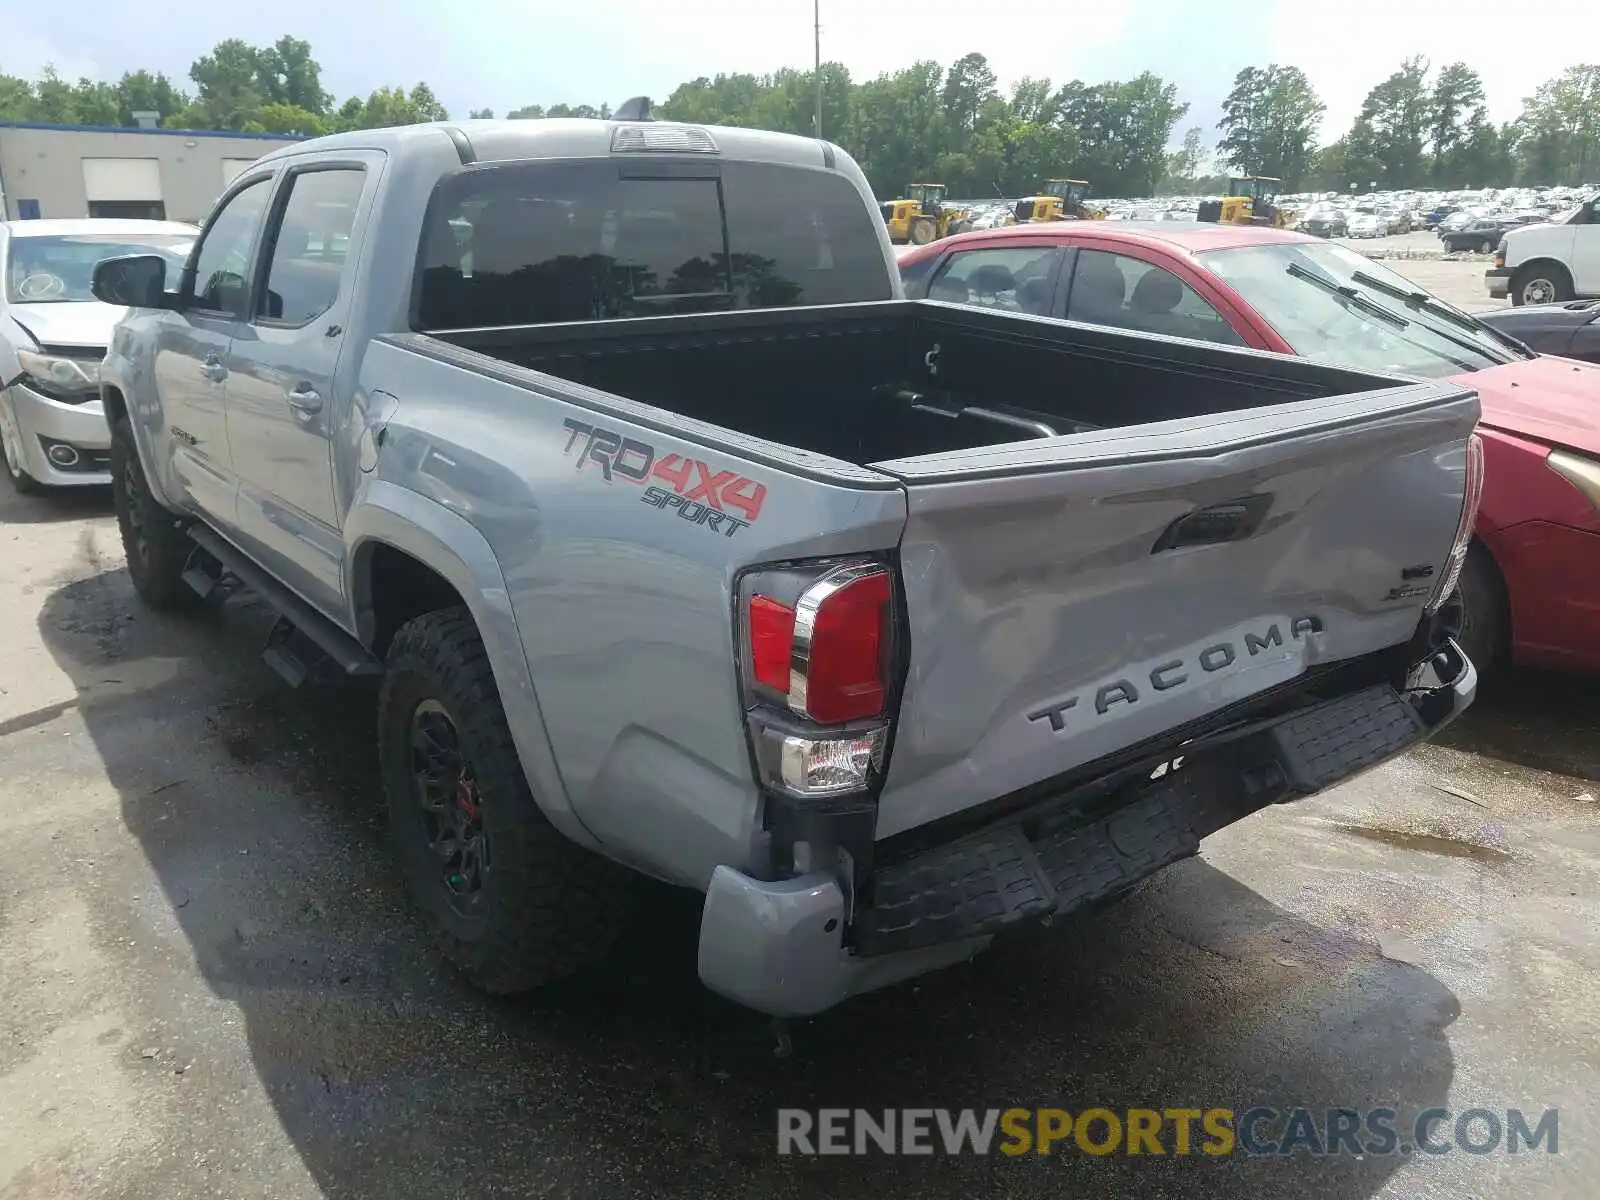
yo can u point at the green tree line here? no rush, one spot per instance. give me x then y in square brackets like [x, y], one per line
[251, 89]
[1412, 132]
[955, 125]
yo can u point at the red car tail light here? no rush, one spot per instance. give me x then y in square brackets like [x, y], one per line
[819, 642]
[1471, 498]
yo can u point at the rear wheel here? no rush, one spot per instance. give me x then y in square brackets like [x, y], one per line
[513, 903]
[153, 538]
[1486, 247]
[1540, 283]
[1485, 612]
[923, 231]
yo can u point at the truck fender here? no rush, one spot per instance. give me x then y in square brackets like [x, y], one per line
[385, 513]
[114, 400]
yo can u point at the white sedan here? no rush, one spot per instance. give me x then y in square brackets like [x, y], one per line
[53, 334]
[1367, 225]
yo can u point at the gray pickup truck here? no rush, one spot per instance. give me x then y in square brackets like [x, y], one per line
[678, 542]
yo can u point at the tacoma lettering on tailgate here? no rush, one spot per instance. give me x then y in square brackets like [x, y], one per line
[1225, 653]
[692, 490]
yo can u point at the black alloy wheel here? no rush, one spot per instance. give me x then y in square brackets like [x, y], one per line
[450, 807]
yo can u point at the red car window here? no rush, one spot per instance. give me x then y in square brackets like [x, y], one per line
[1130, 293]
[1012, 278]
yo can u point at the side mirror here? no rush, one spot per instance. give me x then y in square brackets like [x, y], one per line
[133, 281]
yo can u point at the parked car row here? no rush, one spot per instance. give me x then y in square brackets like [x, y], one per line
[1531, 588]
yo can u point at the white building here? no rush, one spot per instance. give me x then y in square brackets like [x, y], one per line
[110, 171]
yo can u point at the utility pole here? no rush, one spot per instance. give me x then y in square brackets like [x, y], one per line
[816, 27]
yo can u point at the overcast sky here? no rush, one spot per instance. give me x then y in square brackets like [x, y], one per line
[505, 53]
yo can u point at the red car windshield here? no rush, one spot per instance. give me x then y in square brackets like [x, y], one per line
[1329, 302]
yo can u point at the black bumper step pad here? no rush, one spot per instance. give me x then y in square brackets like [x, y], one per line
[997, 879]
[978, 885]
[1333, 741]
[1029, 867]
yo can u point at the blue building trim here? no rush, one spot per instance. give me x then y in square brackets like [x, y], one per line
[185, 133]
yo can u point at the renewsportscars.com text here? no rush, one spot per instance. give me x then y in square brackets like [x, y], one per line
[1166, 1131]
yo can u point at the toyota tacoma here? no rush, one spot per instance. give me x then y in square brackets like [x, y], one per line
[678, 542]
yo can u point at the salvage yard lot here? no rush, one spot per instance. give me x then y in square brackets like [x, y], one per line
[213, 984]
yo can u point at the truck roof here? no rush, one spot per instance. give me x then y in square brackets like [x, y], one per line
[568, 137]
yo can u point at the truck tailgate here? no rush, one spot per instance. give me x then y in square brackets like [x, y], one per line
[1070, 597]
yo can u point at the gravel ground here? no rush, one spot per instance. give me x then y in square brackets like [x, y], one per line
[213, 984]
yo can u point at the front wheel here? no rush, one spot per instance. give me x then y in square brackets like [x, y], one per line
[1485, 247]
[1540, 284]
[153, 538]
[15, 471]
[923, 231]
[512, 902]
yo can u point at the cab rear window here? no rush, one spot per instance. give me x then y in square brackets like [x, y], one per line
[587, 240]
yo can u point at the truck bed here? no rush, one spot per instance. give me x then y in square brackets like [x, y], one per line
[1104, 536]
[866, 383]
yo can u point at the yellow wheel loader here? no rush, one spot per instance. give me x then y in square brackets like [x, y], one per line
[1061, 200]
[1251, 200]
[923, 216]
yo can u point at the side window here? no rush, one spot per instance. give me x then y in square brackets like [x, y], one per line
[1113, 289]
[1013, 278]
[224, 257]
[309, 246]
[915, 275]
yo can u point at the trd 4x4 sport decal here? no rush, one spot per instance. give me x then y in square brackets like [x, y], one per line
[721, 501]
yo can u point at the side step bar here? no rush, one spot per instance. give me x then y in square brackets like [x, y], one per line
[303, 644]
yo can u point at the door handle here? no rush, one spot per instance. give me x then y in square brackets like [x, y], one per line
[213, 368]
[304, 398]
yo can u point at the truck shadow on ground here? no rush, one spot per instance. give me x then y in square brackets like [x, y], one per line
[258, 810]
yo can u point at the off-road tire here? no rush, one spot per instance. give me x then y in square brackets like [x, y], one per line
[923, 231]
[550, 907]
[155, 560]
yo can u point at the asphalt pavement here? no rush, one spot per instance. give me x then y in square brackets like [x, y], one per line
[214, 986]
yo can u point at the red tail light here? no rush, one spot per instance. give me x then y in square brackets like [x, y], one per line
[840, 633]
[771, 638]
[820, 643]
[827, 653]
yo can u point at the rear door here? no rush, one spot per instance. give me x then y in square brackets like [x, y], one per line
[1019, 275]
[1071, 597]
[1133, 287]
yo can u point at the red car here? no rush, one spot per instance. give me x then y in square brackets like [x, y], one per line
[1531, 586]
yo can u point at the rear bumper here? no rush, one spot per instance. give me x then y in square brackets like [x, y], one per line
[77, 432]
[792, 947]
[1498, 280]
